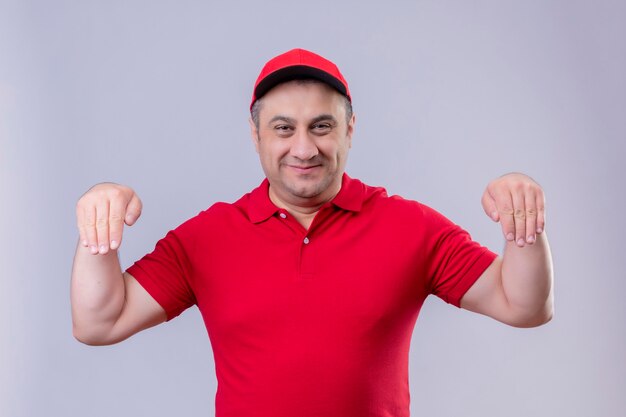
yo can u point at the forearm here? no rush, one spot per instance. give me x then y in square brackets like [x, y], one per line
[527, 281]
[97, 294]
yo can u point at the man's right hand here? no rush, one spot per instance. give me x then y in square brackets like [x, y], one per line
[108, 305]
[101, 213]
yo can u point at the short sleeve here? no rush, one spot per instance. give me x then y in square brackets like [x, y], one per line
[165, 274]
[455, 261]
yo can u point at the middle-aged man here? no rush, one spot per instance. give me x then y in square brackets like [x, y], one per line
[309, 285]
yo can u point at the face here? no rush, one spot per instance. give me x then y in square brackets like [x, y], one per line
[303, 140]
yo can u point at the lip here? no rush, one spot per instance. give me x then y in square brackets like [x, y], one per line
[304, 169]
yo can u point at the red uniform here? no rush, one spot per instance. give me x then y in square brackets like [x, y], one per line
[312, 322]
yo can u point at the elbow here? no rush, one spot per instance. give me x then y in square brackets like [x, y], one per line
[89, 337]
[86, 338]
[530, 316]
[548, 316]
[535, 320]
[547, 313]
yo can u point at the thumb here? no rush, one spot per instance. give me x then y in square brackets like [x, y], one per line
[133, 210]
[489, 205]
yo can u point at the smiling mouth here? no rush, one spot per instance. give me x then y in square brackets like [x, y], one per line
[303, 168]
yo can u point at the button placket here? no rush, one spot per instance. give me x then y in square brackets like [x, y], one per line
[306, 264]
[289, 221]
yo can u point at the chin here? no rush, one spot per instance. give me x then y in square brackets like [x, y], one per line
[307, 192]
[305, 189]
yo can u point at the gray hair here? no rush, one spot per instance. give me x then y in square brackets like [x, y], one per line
[256, 107]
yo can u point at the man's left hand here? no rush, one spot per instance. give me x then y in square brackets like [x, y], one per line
[518, 203]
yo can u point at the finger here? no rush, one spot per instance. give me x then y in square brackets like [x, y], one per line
[489, 205]
[504, 205]
[89, 215]
[102, 226]
[80, 223]
[519, 216]
[541, 212]
[116, 222]
[133, 210]
[530, 204]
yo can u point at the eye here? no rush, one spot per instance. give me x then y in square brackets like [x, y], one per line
[283, 129]
[321, 127]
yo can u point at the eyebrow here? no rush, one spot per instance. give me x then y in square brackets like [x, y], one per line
[281, 118]
[291, 120]
[322, 117]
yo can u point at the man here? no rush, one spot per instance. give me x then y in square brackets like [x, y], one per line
[310, 285]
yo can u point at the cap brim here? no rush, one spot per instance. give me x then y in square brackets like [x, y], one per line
[297, 72]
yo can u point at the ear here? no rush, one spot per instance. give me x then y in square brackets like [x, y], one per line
[254, 134]
[351, 129]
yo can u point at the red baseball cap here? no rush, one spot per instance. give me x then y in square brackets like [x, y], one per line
[298, 64]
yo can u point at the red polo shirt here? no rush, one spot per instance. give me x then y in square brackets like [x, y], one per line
[312, 322]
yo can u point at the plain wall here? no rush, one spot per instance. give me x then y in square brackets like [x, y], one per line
[448, 95]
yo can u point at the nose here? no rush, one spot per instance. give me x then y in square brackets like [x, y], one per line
[303, 146]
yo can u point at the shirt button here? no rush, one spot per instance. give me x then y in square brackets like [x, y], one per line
[283, 215]
[306, 240]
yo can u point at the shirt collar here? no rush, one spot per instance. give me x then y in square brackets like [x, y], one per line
[349, 198]
[351, 195]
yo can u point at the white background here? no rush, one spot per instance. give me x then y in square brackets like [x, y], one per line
[448, 95]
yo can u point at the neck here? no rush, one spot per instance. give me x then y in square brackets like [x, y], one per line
[303, 210]
[304, 218]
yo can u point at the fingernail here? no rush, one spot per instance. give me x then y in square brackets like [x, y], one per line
[494, 215]
[520, 242]
[93, 249]
[103, 249]
[510, 236]
[84, 243]
[539, 230]
[113, 244]
[530, 239]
